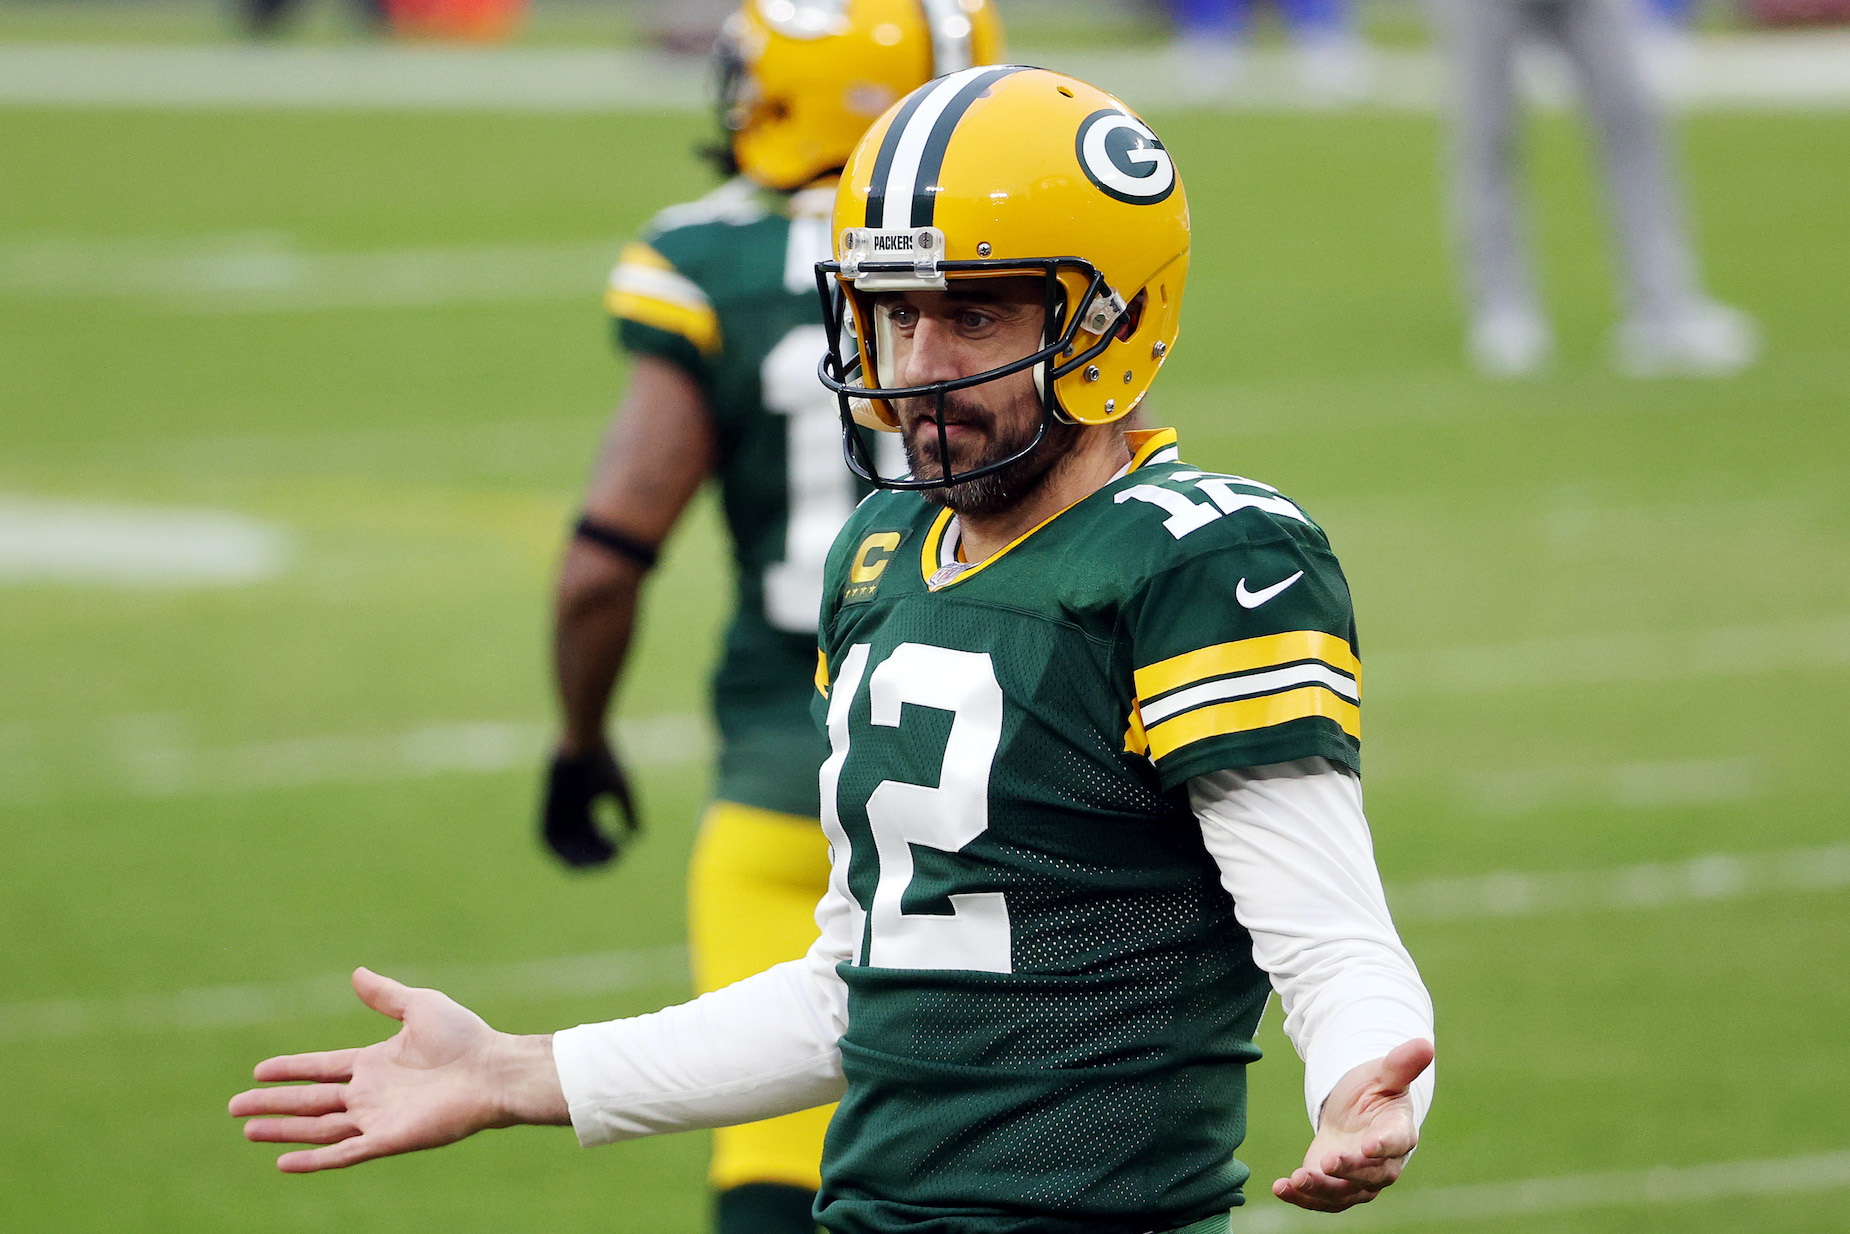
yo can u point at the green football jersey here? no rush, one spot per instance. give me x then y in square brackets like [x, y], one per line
[725, 287]
[1051, 1005]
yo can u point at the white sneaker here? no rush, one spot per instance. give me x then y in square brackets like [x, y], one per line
[1705, 339]
[1511, 343]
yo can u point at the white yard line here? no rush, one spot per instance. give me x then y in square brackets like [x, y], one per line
[154, 761]
[1631, 786]
[259, 272]
[43, 541]
[1645, 1187]
[151, 756]
[1599, 659]
[246, 1006]
[347, 78]
[1803, 70]
[153, 764]
[1721, 876]
[1711, 878]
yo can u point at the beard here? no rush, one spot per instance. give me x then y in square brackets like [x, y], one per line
[1000, 490]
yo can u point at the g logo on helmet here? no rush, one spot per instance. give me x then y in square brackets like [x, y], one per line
[1120, 154]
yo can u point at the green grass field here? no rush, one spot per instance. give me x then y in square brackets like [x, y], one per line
[1608, 623]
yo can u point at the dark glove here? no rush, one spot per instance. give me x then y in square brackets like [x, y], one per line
[588, 816]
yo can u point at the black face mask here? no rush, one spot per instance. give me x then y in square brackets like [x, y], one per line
[845, 375]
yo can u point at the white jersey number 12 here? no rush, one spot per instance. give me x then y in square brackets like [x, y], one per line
[975, 935]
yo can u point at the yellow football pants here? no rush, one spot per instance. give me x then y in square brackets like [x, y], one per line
[753, 884]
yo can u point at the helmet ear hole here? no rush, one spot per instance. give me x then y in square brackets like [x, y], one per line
[1133, 317]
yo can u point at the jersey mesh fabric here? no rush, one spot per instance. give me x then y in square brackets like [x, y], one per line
[1099, 1084]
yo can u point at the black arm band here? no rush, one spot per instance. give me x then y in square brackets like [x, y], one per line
[612, 540]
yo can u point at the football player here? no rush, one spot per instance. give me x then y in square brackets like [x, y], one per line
[1092, 790]
[716, 306]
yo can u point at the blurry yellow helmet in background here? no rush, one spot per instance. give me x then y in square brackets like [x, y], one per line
[800, 80]
[1010, 171]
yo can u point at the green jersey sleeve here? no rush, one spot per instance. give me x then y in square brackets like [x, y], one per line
[1244, 651]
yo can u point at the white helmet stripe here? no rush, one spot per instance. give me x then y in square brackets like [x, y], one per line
[950, 36]
[902, 176]
[917, 137]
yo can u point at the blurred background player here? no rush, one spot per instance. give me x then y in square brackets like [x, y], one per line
[717, 307]
[1212, 36]
[1670, 326]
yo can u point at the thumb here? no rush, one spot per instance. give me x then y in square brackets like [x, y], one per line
[1404, 1064]
[382, 994]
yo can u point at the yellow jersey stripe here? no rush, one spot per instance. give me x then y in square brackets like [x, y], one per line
[934, 536]
[1248, 714]
[699, 325]
[1145, 442]
[639, 254]
[822, 674]
[658, 285]
[1265, 651]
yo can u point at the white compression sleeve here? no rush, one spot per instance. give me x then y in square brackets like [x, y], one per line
[1294, 851]
[761, 1047]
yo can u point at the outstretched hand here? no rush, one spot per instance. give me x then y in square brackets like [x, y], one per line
[443, 1076]
[1363, 1138]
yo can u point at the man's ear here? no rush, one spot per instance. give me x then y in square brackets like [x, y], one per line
[1133, 317]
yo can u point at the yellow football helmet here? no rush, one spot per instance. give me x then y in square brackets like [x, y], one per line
[800, 80]
[1002, 171]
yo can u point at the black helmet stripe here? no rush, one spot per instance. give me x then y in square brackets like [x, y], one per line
[883, 162]
[902, 192]
[931, 159]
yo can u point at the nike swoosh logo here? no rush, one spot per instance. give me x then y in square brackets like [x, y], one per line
[1253, 599]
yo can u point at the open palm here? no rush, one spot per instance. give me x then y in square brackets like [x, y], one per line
[431, 1083]
[1363, 1138]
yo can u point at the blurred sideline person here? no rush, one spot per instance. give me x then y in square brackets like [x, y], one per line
[268, 18]
[1670, 327]
[716, 306]
[1092, 789]
[1211, 38]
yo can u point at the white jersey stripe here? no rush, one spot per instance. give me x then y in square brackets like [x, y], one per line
[658, 285]
[1244, 687]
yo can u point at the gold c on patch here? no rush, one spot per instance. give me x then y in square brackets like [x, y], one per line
[870, 561]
